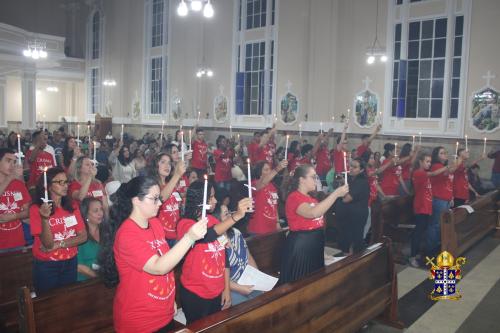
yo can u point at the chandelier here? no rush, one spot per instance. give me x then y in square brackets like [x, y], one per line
[376, 49]
[196, 6]
[109, 83]
[204, 71]
[35, 50]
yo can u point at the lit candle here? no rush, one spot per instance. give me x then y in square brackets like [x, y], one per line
[466, 144]
[286, 147]
[95, 151]
[345, 167]
[249, 179]
[395, 149]
[204, 204]
[19, 153]
[78, 135]
[45, 184]
[484, 147]
[413, 142]
[238, 137]
[199, 115]
[161, 133]
[88, 131]
[348, 114]
[230, 131]
[456, 151]
[419, 138]
[380, 117]
[121, 134]
[182, 146]
[300, 130]
[189, 139]
[321, 127]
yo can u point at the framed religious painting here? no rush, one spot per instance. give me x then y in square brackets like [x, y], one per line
[485, 113]
[176, 107]
[289, 108]
[365, 108]
[220, 109]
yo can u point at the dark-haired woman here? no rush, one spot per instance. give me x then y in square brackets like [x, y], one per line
[406, 158]
[93, 214]
[391, 172]
[352, 210]
[135, 255]
[205, 282]
[265, 217]
[169, 213]
[58, 230]
[121, 161]
[70, 153]
[293, 155]
[304, 248]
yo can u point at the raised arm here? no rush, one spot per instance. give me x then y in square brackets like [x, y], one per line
[311, 212]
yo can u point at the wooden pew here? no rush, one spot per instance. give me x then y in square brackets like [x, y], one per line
[15, 272]
[341, 297]
[88, 306]
[461, 230]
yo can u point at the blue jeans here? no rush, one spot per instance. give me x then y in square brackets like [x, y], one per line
[48, 275]
[433, 231]
[495, 179]
[237, 298]
[27, 234]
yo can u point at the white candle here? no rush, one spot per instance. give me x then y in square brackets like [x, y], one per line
[345, 167]
[204, 205]
[199, 115]
[396, 149]
[88, 130]
[466, 144]
[413, 142]
[380, 117]
[348, 114]
[230, 131]
[238, 137]
[45, 184]
[286, 147]
[121, 134]
[78, 135]
[300, 130]
[19, 148]
[95, 151]
[161, 133]
[419, 138]
[182, 146]
[456, 150]
[321, 127]
[249, 179]
[484, 147]
[190, 140]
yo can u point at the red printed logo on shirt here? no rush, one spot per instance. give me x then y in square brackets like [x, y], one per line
[213, 268]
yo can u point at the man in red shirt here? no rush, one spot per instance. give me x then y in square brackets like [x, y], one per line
[223, 156]
[267, 147]
[253, 147]
[200, 158]
[322, 155]
[366, 140]
[38, 159]
[14, 201]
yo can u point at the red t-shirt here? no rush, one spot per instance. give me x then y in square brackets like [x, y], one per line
[406, 170]
[442, 185]
[169, 214]
[12, 200]
[297, 222]
[63, 224]
[266, 153]
[253, 148]
[199, 160]
[223, 165]
[265, 217]
[390, 178]
[143, 302]
[182, 185]
[204, 265]
[96, 190]
[43, 159]
[338, 160]
[292, 162]
[323, 163]
[361, 149]
[422, 201]
[372, 181]
[461, 183]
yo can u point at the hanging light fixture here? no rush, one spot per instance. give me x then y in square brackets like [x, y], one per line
[376, 49]
[35, 50]
[196, 6]
[204, 72]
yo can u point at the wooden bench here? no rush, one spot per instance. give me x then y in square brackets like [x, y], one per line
[461, 230]
[341, 297]
[88, 306]
[15, 272]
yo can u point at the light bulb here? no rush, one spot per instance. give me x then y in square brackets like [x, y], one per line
[43, 54]
[182, 10]
[196, 5]
[383, 58]
[27, 53]
[208, 11]
[35, 55]
[370, 60]
[198, 74]
[210, 73]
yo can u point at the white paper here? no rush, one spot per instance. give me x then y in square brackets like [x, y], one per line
[331, 259]
[180, 317]
[371, 247]
[468, 208]
[253, 277]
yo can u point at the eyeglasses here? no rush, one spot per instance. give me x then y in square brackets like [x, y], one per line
[154, 199]
[315, 177]
[61, 182]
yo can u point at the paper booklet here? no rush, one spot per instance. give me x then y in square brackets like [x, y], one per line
[253, 277]
[469, 209]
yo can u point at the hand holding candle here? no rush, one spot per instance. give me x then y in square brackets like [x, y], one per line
[20, 153]
[249, 176]
[46, 197]
[456, 151]
[182, 146]
[286, 147]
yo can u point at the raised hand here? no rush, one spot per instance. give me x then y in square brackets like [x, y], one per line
[198, 230]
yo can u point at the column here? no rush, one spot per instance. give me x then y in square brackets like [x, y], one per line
[28, 87]
[3, 102]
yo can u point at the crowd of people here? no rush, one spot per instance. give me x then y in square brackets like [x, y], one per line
[129, 210]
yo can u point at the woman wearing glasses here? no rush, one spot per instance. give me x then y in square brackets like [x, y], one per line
[304, 247]
[58, 229]
[136, 258]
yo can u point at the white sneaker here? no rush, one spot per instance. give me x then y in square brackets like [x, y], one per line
[414, 262]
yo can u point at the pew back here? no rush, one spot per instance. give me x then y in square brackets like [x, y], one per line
[16, 272]
[392, 218]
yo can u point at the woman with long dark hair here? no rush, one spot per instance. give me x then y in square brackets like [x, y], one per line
[93, 215]
[58, 229]
[70, 153]
[121, 161]
[205, 281]
[135, 256]
[303, 252]
[293, 155]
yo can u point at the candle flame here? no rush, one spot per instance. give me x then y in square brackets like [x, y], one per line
[19, 135]
[205, 176]
[248, 160]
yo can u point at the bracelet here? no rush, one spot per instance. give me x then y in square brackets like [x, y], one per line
[232, 218]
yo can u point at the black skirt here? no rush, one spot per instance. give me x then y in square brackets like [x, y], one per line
[303, 253]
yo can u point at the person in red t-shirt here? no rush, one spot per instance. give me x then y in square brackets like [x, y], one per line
[58, 229]
[253, 147]
[322, 155]
[38, 159]
[265, 217]
[169, 212]
[303, 252]
[14, 201]
[200, 153]
[461, 184]
[205, 282]
[293, 155]
[337, 155]
[406, 159]
[366, 140]
[136, 258]
[391, 172]
[85, 185]
[223, 156]
[267, 147]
